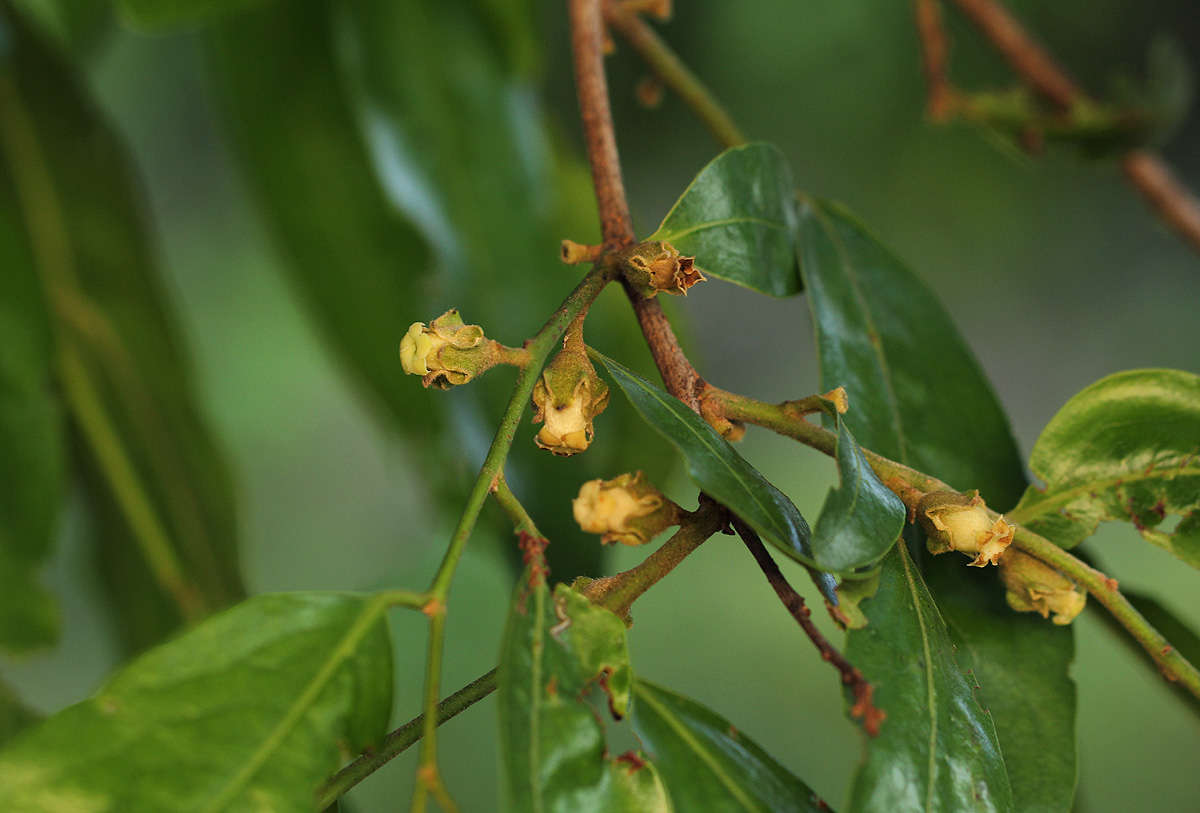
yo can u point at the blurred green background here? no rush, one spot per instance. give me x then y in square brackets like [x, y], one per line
[1054, 270]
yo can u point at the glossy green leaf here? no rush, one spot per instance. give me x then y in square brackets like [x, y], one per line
[250, 710]
[716, 467]
[738, 218]
[32, 466]
[169, 15]
[861, 519]
[707, 764]
[919, 397]
[1126, 448]
[557, 650]
[14, 715]
[158, 478]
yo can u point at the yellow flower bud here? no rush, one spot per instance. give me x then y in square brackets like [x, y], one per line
[963, 523]
[566, 399]
[1033, 586]
[446, 352]
[626, 509]
[658, 266]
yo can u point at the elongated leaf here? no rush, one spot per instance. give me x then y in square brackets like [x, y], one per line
[14, 715]
[708, 764]
[738, 218]
[556, 649]
[920, 398]
[31, 425]
[163, 490]
[1126, 448]
[716, 467]
[250, 710]
[167, 15]
[861, 519]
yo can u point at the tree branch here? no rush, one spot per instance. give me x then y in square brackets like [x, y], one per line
[1173, 202]
[910, 485]
[864, 708]
[398, 741]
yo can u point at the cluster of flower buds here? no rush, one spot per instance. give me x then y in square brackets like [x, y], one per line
[626, 509]
[656, 266]
[446, 352]
[566, 399]
[1033, 586]
[963, 523]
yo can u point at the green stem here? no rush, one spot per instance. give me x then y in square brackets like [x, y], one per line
[909, 485]
[402, 739]
[1174, 666]
[667, 65]
[522, 522]
[540, 347]
[617, 593]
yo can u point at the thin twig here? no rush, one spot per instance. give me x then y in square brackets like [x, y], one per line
[1173, 202]
[669, 68]
[398, 741]
[933, 56]
[864, 708]
[909, 485]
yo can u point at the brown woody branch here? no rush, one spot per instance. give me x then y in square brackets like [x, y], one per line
[1173, 202]
[864, 707]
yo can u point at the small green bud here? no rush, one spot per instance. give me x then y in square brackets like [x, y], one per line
[566, 399]
[658, 266]
[446, 352]
[625, 509]
[963, 523]
[1031, 585]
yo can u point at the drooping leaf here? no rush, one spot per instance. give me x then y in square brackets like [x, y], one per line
[171, 15]
[158, 476]
[557, 649]
[32, 465]
[738, 218]
[1125, 448]
[919, 397]
[861, 519]
[716, 467]
[709, 765]
[14, 715]
[250, 710]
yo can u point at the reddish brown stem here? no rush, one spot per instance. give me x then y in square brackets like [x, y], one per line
[933, 56]
[587, 44]
[1177, 206]
[864, 707]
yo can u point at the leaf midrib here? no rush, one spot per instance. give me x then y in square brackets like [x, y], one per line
[669, 234]
[1056, 499]
[342, 652]
[931, 693]
[689, 740]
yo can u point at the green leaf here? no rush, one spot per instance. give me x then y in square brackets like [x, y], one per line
[251, 710]
[937, 749]
[172, 15]
[920, 398]
[556, 650]
[861, 519]
[716, 467]
[162, 491]
[1126, 448]
[32, 466]
[738, 218]
[709, 765]
[14, 715]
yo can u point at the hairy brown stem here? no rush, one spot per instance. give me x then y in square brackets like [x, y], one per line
[864, 707]
[1173, 202]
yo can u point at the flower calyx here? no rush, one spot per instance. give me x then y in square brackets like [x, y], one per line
[1032, 586]
[447, 352]
[625, 509]
[566, 400]
[962, 522]
[655, 266]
